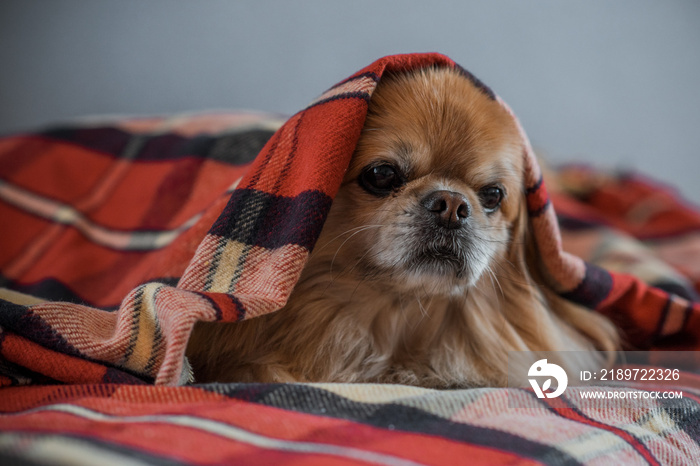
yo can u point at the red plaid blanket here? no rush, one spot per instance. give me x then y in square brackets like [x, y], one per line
[116, 237]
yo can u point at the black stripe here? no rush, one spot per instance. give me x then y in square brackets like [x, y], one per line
[662, 321]
[540, 210]
[107, 140]
[240, 265]
[260, 219]
[535, 187]
[366, 74]
[240, 309]
[679, 289]
[476, 82]
[15, 372]
[134, 328]
[532, 190]
[668, 235]
[235, 147]
[685, 413]
[686, 316]
[348, 95]
[637, 446]
[212, 303]
[593, 289]
[122, 376]
[214, 265]
[22, 321]
[126, 452]
[158, 340]
[52, 289]
[569, 223]
[319, 402]
[11, 457]
[261, 164]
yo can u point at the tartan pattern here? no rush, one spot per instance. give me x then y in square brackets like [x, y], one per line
[130, 200]
[341, 424]
[117, 236]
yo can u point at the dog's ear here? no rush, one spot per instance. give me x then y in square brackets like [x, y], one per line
[525, 255]
[522, 250]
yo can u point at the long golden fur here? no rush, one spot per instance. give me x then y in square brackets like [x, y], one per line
[406, 285]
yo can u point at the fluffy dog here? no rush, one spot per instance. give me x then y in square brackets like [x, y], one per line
[425, 272]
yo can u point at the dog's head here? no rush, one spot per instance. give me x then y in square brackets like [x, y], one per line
[432, 206]
[433, 198]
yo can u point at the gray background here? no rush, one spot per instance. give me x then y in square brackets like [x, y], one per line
[612, 83]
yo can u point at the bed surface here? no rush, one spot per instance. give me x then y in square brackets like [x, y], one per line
[117, 235]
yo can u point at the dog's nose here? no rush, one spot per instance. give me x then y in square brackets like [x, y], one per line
[450, 209]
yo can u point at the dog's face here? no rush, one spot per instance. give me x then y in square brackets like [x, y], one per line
[434, 193]
[432, 206]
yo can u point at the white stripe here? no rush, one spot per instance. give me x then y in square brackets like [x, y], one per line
[235, 433]
[62, 450]
[67, 215]
[359, 84]
[169, 123]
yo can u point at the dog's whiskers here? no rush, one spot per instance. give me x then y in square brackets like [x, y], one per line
[423, 311]
[345, 271]
[357, 231]
[346, 232]
[494, 278]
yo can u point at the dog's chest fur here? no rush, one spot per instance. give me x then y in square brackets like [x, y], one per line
[345, 332]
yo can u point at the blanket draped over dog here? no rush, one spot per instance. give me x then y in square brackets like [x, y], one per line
[117, 236]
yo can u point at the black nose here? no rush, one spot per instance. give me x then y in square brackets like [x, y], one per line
[450, 209]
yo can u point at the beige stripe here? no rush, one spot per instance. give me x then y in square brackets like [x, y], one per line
[231, 255]
[375, 393]
[363, 84]
[237, 434]
[211, 122]
[36, 248]
[108, 183]
[601, 445]
[675, 316]
[564, 271]
[220, 125]
[19, 298]
[267, 277]
[63, 450]
[67, 215]
[146, 329]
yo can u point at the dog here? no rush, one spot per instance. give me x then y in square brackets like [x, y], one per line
[425, 272]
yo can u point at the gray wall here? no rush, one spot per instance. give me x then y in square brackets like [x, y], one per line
[614, 83]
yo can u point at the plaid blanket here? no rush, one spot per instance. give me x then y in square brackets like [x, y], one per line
[117, 236]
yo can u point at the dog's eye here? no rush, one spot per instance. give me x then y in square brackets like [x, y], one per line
[491, 197]
[380, 179]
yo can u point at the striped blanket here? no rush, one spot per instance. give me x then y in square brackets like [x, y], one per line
[116, 236]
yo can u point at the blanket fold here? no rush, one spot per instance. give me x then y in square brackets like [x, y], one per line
[117, 236]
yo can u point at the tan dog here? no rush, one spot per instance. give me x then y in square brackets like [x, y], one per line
[425, 272]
